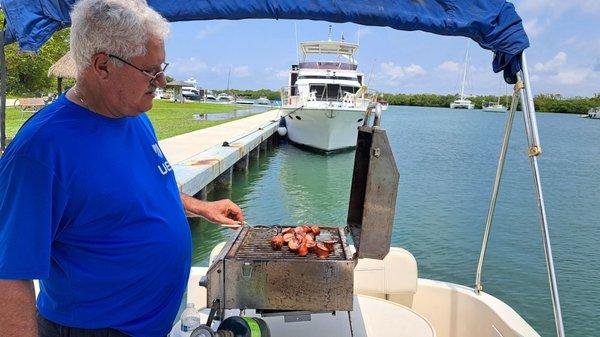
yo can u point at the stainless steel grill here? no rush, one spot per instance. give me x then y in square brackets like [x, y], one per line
[248, 273]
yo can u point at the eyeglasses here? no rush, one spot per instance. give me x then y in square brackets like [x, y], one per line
[153, 77]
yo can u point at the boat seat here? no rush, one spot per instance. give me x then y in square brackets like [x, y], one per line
[394, 278]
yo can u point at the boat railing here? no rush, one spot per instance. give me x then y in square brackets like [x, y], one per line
[292, 97]
[327, 65]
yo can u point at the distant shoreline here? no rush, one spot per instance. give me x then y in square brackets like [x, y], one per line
[543, 102]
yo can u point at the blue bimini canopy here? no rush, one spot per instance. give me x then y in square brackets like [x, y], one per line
[493, 24]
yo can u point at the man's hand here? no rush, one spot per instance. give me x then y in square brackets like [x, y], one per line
[224, 212]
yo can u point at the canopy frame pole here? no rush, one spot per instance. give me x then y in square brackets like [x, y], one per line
[499, 169]
[534, 151]
[2, 95]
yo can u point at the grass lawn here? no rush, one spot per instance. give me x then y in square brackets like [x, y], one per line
[172, 119]
[169, 118]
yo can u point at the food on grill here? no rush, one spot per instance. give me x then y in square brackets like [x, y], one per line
[321, 250]
[316, 230]
[293, 245]
[303, 250]
[277, 242]
[329, 244]
[287, 237]
[302, 239]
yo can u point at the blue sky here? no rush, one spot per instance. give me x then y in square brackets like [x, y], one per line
[564, 56]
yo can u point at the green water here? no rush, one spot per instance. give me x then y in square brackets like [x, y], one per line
[447, 162]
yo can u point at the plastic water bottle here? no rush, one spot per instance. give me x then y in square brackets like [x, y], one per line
[190, 319]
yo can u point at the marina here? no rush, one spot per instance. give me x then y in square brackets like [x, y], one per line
[442, 199]
[330, 244]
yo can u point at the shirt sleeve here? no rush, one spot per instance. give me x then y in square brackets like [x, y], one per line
[32, 201]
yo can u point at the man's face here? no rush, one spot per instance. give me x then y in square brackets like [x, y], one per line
[133, 90]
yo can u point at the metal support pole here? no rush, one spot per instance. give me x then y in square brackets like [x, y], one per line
[499, 170]
[535, 150]
[2, 95]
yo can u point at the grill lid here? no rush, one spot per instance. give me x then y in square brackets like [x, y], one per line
[373, 193]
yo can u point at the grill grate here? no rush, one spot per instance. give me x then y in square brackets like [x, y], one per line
[255, 244]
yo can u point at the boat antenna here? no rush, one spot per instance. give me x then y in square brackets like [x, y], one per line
[297, 46]
[329, 35]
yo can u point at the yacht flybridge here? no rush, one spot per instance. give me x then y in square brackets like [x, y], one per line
[325, 100]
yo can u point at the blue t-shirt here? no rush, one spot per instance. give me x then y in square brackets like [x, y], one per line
[89, 205]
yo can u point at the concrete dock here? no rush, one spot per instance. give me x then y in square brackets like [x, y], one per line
[211, 155]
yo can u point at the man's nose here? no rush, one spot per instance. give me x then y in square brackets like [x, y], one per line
[160, 81]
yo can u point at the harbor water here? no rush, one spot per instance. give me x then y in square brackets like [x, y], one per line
[447, 161]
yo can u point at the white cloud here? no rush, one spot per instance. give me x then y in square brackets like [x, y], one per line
[241, 71]
[414, 70]
[571, 76]
[534, 28]
[552, 65]
[187, 65]
[555, 8]
[449, 66]
[392, 73]
[282, 74]
[219, 69]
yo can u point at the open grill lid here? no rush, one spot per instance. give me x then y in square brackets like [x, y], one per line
[373, 193]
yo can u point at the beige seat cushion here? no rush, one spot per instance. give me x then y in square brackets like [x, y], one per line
[394, 277]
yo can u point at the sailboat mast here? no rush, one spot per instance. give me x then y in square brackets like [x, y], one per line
[228, 76]
[464, 79]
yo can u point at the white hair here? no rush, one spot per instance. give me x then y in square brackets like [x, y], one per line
[119, 27]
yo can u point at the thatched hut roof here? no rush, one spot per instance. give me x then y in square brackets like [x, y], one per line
[64, 67]
[179, 84]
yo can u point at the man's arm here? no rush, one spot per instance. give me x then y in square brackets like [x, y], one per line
[17, 308]
[222, 211]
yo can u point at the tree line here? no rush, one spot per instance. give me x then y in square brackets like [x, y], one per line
[542, 102]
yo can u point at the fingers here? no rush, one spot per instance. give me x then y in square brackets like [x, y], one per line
[236, 213]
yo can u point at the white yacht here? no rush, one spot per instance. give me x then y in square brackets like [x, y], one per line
[190, 93]
[594, 113]
[262, 100]
[494, 107]
[225, 98]
[463, 102]
[326, 99]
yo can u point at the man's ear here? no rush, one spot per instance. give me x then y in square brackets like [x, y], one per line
[101, 66]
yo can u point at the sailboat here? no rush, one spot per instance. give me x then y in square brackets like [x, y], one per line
[494, 106]
[463, 102]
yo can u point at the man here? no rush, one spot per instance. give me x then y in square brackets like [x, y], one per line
[88, 203]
